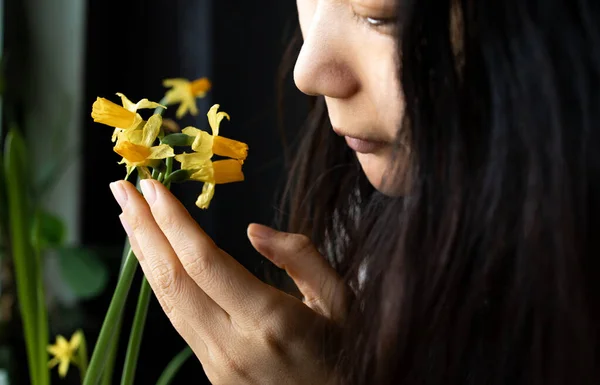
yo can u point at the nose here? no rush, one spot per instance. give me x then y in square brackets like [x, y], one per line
[322, 67]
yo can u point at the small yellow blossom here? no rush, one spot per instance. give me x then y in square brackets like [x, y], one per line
[185, 93]
[122, 118]
[137, 149]
[207, 144]
[64, 352]
[211, 173]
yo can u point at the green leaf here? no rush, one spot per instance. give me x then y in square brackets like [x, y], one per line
[177, 140]
[24, 259]
[83, 271]
[173, 366]
[3, 203]
[49, 231]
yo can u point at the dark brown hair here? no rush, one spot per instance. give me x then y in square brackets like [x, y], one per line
[487, 271]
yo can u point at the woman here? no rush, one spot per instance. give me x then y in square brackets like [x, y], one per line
[452, 183]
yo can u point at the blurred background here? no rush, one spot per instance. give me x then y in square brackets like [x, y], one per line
[57, 57]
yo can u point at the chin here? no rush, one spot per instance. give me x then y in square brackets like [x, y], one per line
[375, 167]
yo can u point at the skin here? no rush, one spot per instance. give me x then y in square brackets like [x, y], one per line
[348, 58]
[242, 330]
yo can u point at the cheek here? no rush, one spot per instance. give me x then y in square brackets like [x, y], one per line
[390, 98]
[384, 87]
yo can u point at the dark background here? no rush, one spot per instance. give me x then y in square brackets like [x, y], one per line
[131, 47]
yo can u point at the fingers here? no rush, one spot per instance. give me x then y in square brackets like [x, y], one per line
[319, 283]
[177, 293]
[181, 325]
[220, 276]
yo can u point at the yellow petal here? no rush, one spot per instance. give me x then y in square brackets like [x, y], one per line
[127, 104]
[205, 173]
[180, 89]
[151, 130]
[227, 171]
[106, 112]
[174, 96]
[136, 122]
[208, 191]
[181, 110]
[215, 118]
[176, 82]
[54, 350]
[133, 136]
[203, 144]
[53, 362]
[75, 340]
[63, 368]
[192, 107]
[61, 342]
[193, 161]
[200, 87]
[115, 134]
[145, 103]
[200, 139]
[132, 152]
[161, 152]
[188, 104]
[191, 131]
[229, 148]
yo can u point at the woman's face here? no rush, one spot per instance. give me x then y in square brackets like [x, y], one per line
[349, 57]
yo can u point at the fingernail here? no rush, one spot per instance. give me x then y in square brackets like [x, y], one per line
[261, 232]
[119, 193]
[148, 190]
[126, 226]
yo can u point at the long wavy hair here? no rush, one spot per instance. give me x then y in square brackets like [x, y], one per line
[488, 270]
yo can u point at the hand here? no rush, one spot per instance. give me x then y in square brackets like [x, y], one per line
[242, 330]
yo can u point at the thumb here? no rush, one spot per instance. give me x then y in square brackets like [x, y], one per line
[323, 289]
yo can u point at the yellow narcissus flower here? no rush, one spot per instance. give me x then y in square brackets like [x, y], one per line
[122, 118]
[211, 173]
[207, 144]
[64, 352]
[185, 93]
[137, 149]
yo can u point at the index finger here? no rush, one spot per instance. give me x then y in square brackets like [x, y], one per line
[223, 278]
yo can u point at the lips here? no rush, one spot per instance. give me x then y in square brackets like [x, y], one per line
[363, 145]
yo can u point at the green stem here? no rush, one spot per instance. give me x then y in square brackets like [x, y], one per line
[173, 367]
[108, 330]
[168, 173]
[107, 375]
[114, 343]
[137, 329]
[160, 110]
[2, 71]
[82, 355]
[42, 321]
[169, 168]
